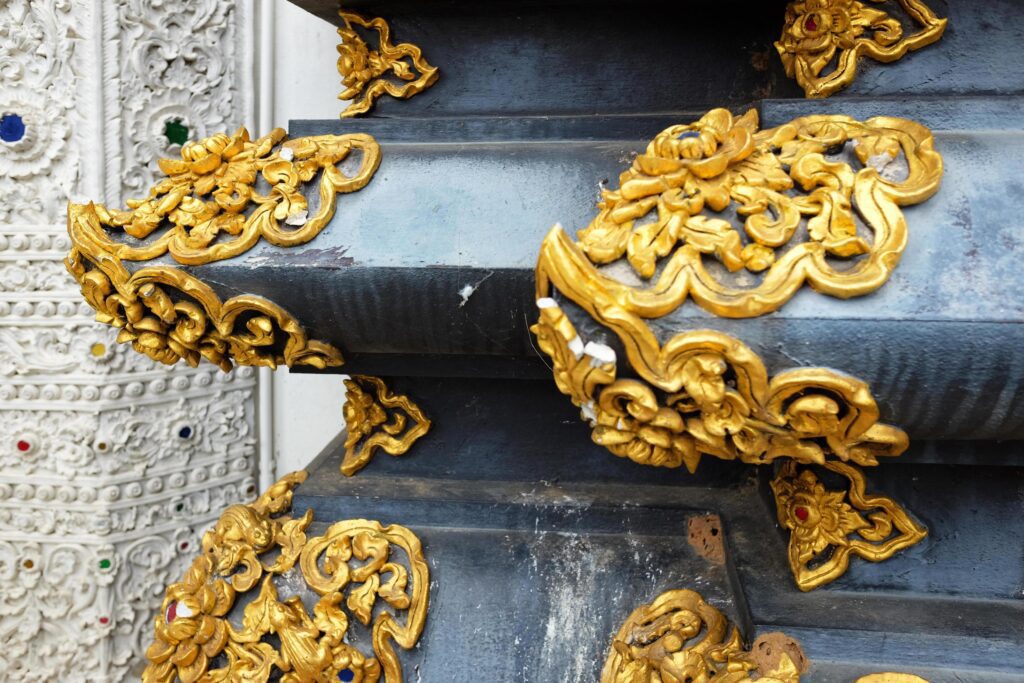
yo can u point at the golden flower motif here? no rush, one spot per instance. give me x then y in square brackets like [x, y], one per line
[631, 424]
[192, 628]
[819, 518]
[820, 32]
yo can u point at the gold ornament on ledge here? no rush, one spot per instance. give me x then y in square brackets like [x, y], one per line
[702, 392]
[397, 70]
[798, 179]
[250, 556]
[376, 418]
[823, 39]
[828, 527]
[207, 208]
[807, 414]
[679, 637]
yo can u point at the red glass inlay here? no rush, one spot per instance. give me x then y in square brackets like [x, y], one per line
[811, 24]
[172, 612]
[802, 513]
[23, 445]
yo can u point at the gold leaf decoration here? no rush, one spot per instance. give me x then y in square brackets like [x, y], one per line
[397, 70]
[376, 418]
[822, 40]
[679, 637]
[828, 527]
[256, 545]
[670, 214]
[714, 398]
[207, 208]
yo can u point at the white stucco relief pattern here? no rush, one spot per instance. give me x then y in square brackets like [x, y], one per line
[111, 465]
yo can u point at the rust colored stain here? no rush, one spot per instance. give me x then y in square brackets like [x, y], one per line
[769, 647]
[706, 537]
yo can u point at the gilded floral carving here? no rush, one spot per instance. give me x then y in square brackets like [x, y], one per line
[376, 418]
[828, 527]
[400, 70]
[353, 566]
[822, 40]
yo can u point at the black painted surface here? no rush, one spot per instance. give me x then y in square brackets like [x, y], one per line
[508, 476]
[541, 542]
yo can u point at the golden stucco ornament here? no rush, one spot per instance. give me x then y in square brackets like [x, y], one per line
[680, 638]
[397, 70]
[837, 181]
[709, 394]
[828, 527]
[376, 418]
[207, 208]
[823, 39]
[249, 558]
[738, 220]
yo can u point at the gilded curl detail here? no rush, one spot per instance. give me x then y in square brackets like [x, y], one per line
[822, 40]
[715, 399]
[376, 418]
[397, 70]
[670, 213]
[351, 569]
[210, 207]
[828, 527]
[681, 638]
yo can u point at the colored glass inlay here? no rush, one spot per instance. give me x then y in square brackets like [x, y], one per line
[346, 675]
[23, 445]
[12, 128]
[98, 349]
[176, 132]
[802, 514]
[185, 432]
[104, 564]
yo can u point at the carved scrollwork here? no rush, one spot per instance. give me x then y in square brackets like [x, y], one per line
[397, 70]
[831, 35]
[246, 555]
[376, 418]
[679, 637]
[675, 200]
[169, 315]
[208, 208]
[715, 398]
[828, 527]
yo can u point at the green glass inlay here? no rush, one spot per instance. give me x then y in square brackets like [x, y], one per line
[104, 564]
[176, 132]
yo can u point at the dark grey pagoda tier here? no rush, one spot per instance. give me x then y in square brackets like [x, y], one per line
[540, 541]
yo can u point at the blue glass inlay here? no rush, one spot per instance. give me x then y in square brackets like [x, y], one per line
[689, 134]
[346, 675]
[12, 128]
[185, 432]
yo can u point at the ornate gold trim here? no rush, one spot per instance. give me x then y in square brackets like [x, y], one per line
[691, 174]
[209, 209]
[208, 205]
[822, 34]
[679, 637]
[828, 527]
[255, 545]
[694, 410]
[366, 73]
[370, 425]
